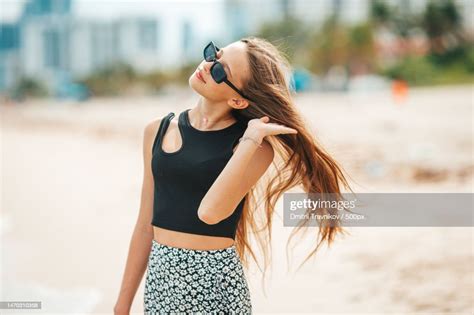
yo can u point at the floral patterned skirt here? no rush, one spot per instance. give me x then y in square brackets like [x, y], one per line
[182, 280]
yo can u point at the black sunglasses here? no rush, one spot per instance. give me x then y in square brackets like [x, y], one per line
[218, 73]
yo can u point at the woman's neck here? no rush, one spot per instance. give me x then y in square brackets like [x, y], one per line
[209, 115]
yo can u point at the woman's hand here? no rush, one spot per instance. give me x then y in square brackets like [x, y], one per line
[259, 128]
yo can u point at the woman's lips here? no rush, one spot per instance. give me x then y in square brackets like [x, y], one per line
[199, 76]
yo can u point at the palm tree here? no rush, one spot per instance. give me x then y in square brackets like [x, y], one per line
[380, 12]
[442, 21]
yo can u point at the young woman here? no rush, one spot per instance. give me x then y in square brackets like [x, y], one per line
[201, 169]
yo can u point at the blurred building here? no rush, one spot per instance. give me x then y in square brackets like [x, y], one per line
[50, 42]
[9, 58]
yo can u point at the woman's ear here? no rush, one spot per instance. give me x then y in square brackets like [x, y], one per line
[238, 103]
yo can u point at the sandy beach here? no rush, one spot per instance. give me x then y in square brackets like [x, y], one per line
[71, 182]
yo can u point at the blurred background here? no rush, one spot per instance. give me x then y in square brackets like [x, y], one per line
[77, 49]
[386, 87]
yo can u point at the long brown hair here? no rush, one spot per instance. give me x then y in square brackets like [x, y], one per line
[299, 158]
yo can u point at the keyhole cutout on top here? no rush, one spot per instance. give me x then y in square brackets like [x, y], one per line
[172, 140]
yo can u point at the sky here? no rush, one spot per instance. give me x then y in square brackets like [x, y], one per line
[11, 9]
[104, 9]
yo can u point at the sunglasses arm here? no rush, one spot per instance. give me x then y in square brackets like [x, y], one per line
[235, 89]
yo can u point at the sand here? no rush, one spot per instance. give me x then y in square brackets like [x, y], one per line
[71, 181]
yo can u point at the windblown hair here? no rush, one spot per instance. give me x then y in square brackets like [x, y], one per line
[299, 159]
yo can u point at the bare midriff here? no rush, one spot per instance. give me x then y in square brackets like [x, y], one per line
[190, 241]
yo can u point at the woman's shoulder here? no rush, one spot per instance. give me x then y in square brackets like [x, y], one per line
[152, 126]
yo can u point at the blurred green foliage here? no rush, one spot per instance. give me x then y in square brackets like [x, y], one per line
[456, 67]
[120, 79]
[451, 52]
[29, 87]
[290, 35]
[414, 69]
[111, 80]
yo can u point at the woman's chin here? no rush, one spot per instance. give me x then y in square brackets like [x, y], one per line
[196, 86]
[193, 85]
[202, 89]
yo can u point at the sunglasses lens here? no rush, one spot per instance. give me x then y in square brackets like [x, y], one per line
[218, 72]
[209, 52]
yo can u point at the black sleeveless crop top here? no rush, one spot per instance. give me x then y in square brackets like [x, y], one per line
[183, 177]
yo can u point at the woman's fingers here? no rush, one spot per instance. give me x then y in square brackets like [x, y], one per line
[283, 129]
[289, 130]
[275, 128]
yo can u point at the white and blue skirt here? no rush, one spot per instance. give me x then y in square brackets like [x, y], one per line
[182, 280]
